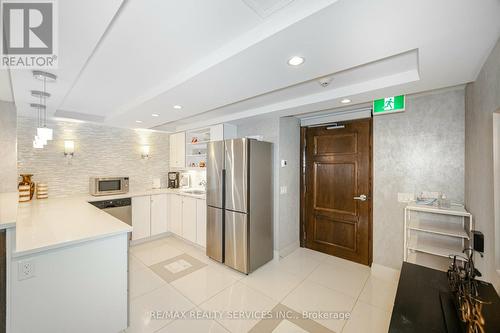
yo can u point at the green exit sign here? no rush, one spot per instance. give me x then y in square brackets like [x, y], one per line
[389, 105]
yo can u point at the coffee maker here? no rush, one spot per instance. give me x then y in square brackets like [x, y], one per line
[173, 180]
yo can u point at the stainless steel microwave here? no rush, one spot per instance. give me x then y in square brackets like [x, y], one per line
[108, 185]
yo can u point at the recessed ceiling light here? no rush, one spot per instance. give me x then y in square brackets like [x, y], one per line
[296, 61]
[345, 101]
[155, 115]
[139, 121]
[177, 107]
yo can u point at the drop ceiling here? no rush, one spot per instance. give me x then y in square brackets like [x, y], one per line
[227, 59]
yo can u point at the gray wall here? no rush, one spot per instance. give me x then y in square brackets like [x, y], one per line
[482, 100]
[268, 128]
[8, 149]
[289, 176]
[421, 149]
[99, 151]
[285, 134]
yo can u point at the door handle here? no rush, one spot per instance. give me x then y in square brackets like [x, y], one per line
[362, 197]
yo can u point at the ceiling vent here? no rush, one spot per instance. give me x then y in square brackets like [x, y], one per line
[264, 8]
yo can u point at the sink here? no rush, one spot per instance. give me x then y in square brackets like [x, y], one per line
[197, 192]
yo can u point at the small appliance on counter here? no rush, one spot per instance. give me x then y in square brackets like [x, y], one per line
[185, 180]
[173, 180]
[108, 185]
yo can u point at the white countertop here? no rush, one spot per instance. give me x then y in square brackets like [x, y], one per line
[8, 209]
[145, 192]
[57, 222]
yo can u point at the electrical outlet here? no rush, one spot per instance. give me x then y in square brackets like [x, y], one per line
[26, 269]
[406, 197]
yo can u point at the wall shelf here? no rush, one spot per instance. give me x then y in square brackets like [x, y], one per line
[439, 227]
[437, 232]
[434, 247]
[200, 143]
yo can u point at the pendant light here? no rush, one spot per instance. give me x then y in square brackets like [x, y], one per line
[39, 141]
[43, 133]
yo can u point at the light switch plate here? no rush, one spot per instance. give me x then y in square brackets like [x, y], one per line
[283, 189]
[284, 163]
[406, 197]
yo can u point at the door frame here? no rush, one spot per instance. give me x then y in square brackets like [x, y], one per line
[303, 186]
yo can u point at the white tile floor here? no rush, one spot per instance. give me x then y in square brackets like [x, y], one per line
[303, 281]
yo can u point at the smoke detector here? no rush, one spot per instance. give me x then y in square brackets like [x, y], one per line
[325, 81]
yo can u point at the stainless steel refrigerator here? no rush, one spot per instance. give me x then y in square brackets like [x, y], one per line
[240, 203]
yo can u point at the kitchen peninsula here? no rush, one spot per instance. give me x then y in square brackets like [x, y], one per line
[69, 252]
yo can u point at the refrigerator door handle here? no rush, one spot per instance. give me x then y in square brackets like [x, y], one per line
[223, 175]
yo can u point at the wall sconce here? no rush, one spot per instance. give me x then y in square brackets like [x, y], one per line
[69, 148]
[145, 152]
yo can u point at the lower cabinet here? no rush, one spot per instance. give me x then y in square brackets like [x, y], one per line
[201, 222]
[189, 219]
[3, 282]
[149, 215]
[159, 210]
[176, 214]
[141, 217]
[182, 215]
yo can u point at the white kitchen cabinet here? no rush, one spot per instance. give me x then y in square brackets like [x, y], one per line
[176, 214]
[201, 222]
[178, 150]
[159, 212]
[189, 218]
[141, 217]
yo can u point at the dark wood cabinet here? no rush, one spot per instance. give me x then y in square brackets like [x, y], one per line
[3, 280]
[421, 305]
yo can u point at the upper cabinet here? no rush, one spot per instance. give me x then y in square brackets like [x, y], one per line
[178, 150]
[196, 142]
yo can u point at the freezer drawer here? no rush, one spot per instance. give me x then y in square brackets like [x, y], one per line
[236, 241]
[215, 233]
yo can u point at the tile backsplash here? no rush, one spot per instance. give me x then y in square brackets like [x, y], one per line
[99, 151]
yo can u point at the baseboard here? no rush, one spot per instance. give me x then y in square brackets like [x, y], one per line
[289, 249]
[187, 241]
[149, 239]
[386, 273]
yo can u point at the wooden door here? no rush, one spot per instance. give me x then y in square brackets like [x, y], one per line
[337, 174]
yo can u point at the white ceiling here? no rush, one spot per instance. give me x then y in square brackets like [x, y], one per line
[226, 59]
[81, 26]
